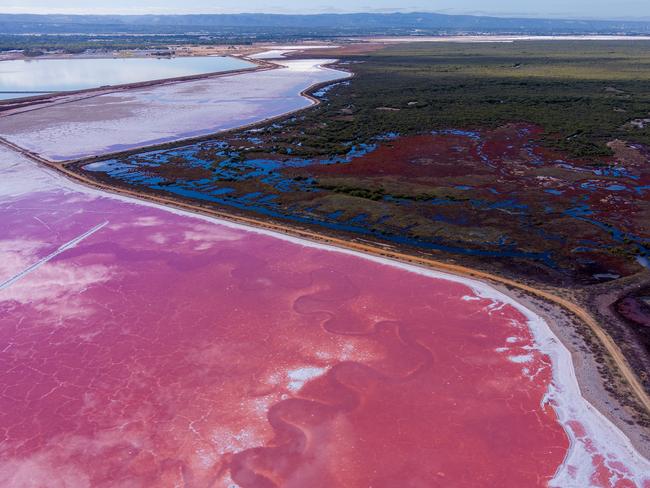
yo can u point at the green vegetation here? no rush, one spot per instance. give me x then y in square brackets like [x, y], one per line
[582, 93]
[380, 193]
[375, 194]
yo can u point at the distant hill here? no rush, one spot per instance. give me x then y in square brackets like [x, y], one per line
[319, 24]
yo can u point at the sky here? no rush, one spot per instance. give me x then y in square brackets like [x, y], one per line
[612, 9]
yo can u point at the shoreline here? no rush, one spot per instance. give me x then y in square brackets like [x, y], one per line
[564, 327]
[370, 251]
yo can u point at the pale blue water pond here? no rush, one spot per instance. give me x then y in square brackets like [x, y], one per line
[22, 78]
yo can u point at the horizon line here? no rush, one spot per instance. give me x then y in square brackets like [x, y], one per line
[171, 13]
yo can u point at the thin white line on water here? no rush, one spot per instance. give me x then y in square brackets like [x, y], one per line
[63, 248]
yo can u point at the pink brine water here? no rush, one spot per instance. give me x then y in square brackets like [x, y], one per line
[146, 348]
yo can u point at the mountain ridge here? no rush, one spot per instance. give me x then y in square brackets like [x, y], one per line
[345, 23]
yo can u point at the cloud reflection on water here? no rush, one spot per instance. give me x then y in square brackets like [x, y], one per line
[45, 75]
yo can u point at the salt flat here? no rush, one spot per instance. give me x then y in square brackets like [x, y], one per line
[128, 119]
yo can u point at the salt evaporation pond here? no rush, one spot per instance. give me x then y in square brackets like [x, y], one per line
[134, 118]
[147, 347]
[21, 78]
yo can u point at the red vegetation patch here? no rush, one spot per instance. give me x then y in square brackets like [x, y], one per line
[416, 156]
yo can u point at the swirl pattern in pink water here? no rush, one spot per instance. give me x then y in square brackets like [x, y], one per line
[145, 348]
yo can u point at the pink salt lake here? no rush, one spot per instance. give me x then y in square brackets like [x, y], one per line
[143, 347]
